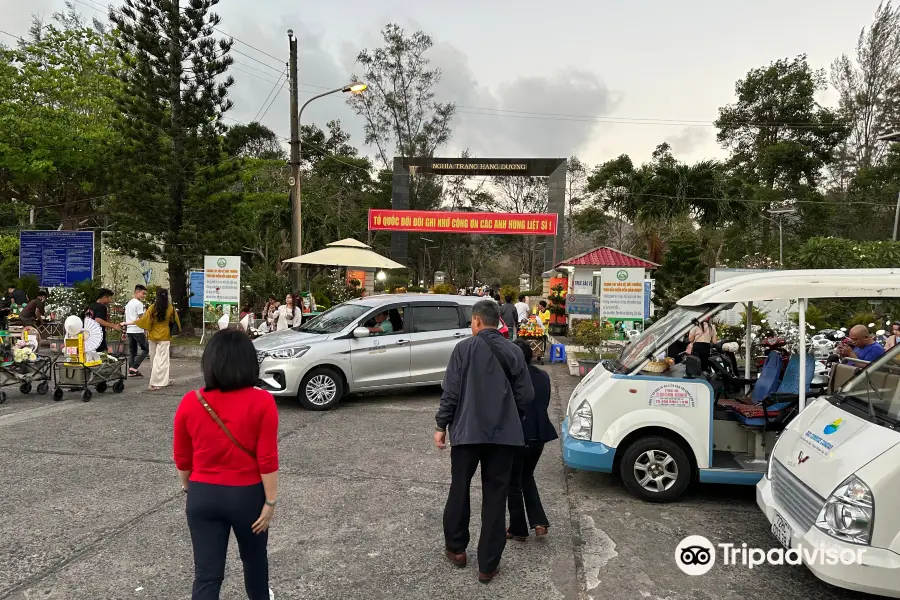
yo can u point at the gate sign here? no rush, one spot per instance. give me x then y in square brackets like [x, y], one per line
[622, 293]
[57, 258]
[462, 222]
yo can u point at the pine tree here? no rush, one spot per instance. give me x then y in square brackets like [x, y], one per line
[172, 167]
[682, 271]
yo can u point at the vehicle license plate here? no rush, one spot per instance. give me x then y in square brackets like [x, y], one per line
[781, 530]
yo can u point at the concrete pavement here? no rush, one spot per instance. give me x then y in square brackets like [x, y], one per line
[92, 510]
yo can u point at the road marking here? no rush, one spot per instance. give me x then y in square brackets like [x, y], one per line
[33, 413]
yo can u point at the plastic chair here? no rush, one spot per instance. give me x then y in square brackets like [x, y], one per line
[557, 353]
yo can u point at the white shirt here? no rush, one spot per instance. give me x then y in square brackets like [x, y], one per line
[522, 309]
[283, 321]
[133, 311]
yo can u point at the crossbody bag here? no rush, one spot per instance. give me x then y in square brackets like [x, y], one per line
[221, 424]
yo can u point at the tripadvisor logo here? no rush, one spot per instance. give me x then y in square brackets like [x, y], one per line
[221, 262]
[622, 275]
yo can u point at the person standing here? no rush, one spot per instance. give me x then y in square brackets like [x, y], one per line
[289, 314]
[522, 308]
[15, 296]
[99, 312]
[270, 313]
[158, 321]
[538, 430]
[542, 313]
[487, 390]
[894, 336]
[229, 472]
[701, 338]
[510, 315]
[137, 337]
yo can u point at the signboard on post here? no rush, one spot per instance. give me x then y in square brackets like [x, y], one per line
[463, 222]
[57, 258]
[221, 288]
[196, 289]
[622, 293]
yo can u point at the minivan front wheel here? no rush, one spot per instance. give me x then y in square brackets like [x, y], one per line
[656, 469]
[321, 389]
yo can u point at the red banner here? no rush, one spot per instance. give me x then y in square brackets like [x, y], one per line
[462, 222]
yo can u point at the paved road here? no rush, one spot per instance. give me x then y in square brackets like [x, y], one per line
[91, 509]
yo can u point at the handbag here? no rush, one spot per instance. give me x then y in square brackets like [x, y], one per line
[221, 424]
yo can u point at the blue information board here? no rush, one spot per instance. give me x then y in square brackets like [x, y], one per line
[196, 289]
[57, 258]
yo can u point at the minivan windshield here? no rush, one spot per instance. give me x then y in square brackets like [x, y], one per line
[660, 334]
[335, 319]
[877, 386]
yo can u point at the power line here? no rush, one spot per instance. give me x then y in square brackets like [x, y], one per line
[249, 45]
[255, 59]
[17, 37]
[252, 75]
[260, 118]
[256, 118]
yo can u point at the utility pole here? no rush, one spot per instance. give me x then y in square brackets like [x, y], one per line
[296, 214]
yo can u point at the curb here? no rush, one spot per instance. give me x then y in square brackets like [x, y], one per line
[186, 352]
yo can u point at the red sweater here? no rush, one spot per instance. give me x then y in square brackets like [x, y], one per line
[202, 447]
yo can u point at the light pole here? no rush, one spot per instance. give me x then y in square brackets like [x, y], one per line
[354, 87]
[780, 214]
[893, 137]
[426, 247]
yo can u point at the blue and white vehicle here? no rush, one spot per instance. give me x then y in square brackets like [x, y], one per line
[661, 431]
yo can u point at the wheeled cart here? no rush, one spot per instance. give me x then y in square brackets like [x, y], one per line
[538, 347]
[26, 375]
[75, 376]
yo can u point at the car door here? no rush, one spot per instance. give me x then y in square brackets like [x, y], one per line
[436, 329]
[381, 360]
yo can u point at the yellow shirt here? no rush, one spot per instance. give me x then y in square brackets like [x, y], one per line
[544, 316]
[158, 331]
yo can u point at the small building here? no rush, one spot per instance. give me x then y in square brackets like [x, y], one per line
[608, 283]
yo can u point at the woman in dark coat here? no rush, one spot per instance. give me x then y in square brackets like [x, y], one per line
[523, 493]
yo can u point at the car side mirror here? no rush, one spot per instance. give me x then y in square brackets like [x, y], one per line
[361, 332]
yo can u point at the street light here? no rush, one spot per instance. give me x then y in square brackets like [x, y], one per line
[354, 87]
[893, 137]
[780, 213]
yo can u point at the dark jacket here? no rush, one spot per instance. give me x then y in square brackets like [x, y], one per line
[537, 425]
[478, 404]
[510, 314]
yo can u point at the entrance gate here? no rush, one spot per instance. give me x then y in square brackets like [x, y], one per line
[552, 168]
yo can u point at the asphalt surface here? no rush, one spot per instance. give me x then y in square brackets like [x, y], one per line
[91, 509]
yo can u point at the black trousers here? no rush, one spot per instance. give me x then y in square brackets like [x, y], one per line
[523, 492]
[137, 341]
[496, 467]
[213, 512]
[701, 350]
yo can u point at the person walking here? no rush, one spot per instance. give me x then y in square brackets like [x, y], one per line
[487, 389]
[99, 312]
[510, 315]
[537, 429]
[229, 472]
[158, 321]
[137, 337]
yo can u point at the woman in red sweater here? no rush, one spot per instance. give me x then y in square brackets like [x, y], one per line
[226, 453]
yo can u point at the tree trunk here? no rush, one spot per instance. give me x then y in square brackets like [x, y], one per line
[177, 188]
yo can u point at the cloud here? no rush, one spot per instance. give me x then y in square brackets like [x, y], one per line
[481, 125]
[690, 140]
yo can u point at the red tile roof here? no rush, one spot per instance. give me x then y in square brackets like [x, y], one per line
[607, 257]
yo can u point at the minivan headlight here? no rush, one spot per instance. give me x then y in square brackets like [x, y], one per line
[287, 353]
[849, 512]
[582, 422]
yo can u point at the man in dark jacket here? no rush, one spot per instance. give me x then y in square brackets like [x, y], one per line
[487, 390]
[538, 430]
[510, 315]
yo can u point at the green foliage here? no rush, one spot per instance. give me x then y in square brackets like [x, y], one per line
[837, 253]
[56, 108]
[443, 288]
[416, 289]
[682, 271]
[29, 284]
[557, 304]
[509, 290]
[592, 335]
[9, 259]
[253, 141]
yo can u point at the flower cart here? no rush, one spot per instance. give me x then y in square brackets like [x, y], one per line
[22, 366]
[532, 332]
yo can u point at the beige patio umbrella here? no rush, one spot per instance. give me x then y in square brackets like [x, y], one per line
[346, 253]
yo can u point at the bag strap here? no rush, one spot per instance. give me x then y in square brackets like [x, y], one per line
[502, 360]
[221, 424]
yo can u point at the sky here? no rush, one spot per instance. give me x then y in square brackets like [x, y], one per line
[592, 78]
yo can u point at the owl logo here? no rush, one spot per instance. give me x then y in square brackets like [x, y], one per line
[833, 426]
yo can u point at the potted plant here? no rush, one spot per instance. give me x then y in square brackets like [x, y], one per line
[591, 336]
[557, 310]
